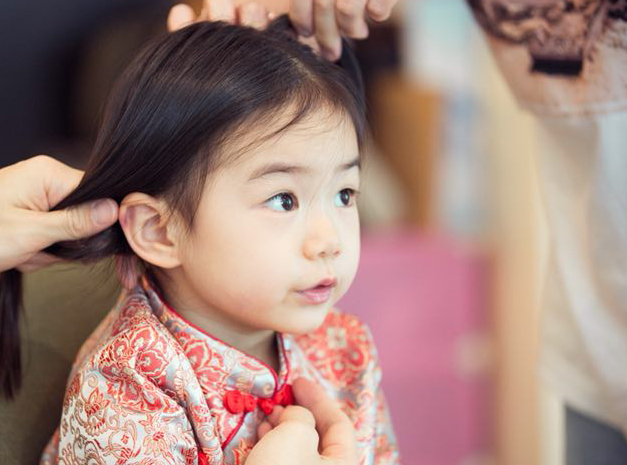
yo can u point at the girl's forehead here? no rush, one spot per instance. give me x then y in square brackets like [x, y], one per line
[319, 141]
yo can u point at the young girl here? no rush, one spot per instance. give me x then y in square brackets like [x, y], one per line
[234, 155]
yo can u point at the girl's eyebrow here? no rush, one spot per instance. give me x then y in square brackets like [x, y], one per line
[279, 167]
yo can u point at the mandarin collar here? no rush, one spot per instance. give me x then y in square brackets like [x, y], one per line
[218, 365]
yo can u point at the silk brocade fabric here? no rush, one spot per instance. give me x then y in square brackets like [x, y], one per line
[148, 387]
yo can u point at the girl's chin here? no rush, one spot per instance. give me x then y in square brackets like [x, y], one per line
[305, 320]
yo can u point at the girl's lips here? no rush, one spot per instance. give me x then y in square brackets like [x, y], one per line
[320, 293]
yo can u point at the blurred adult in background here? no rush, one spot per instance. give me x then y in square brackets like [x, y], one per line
[566, 62]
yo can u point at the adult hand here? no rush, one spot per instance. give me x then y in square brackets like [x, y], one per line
[314, 432]
[244, 12]
[29, 189]
[330, 20]
[320, 23]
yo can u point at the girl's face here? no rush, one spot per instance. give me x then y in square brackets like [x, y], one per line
[275, 241]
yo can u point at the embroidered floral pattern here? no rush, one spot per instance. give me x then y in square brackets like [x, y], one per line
[339, 349]
[150, 388]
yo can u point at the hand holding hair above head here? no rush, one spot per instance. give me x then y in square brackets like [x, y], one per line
[314, 432]
[327, 21]
[28, 190]
[320, 23]
[182, 14]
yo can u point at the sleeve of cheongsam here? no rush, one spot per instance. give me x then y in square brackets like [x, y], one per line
[385, 445]
[386, 448]
[115, 413]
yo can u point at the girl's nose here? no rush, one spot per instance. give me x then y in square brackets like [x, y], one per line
[322, 242]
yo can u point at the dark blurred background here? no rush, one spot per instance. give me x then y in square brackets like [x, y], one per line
[57, 61]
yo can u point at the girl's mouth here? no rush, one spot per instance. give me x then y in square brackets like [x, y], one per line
[319, 293]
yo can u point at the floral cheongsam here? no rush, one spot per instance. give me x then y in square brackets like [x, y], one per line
[148, 387]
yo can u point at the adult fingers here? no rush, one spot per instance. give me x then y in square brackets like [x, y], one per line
[264, 428]
[218, 10]
[298, 414]
[294, 422]
[275, 415]
[337, 435]
[180, 16]
[326, 29]
[44, 182]
[61, 180]
[302, 425]
[301, 16]
[270, 421]
[380, 10]
[350, 18]
[77, 222]
[37, 261]
[294, 440]
[252, 14]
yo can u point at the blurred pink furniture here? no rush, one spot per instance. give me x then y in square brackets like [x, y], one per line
[425, 300]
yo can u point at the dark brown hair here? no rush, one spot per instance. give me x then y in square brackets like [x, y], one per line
[166, 120]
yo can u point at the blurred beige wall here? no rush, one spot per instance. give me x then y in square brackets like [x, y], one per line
[526, 417]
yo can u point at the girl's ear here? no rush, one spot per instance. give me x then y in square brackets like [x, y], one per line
[151, 231]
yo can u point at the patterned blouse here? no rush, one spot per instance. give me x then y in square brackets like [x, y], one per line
[148, 387]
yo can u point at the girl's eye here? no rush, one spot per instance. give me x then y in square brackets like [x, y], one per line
[282, 202]
[345, 198]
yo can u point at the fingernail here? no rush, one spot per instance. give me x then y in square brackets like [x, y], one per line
[180, 16]
[258, 16]
[378, 10]
[332, 54]
[104, 212]
[363, 32]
